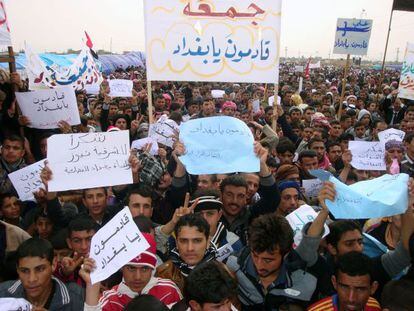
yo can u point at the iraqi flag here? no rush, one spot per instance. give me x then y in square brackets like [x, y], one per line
[403, 5]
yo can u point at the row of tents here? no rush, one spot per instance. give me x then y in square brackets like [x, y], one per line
[107, 62]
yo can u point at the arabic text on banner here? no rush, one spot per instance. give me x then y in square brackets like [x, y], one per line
[80, 74]
[406, 88]
[227, 41]
[45, 108]
[89, 160]
[164, 131]
[380, 197]
[116, 244]
[352, 36]
[218, 145]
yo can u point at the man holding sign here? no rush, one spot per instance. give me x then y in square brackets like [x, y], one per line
[138, 280]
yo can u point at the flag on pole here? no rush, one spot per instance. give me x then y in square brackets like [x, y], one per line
[403, 5]
[5, 38]
[307, 69]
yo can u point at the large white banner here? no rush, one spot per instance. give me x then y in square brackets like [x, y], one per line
[228, 41]
[406, 89]
[81, 161]
[45, 108]
[4, 26]
[352, 36]
[82, 73]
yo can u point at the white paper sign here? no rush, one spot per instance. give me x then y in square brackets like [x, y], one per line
[120, 88]
[116, 244]
[217, 93]
[164, 131]
[299, 68]
[315, 65]
[45, 108]
[352, 36]
[312, 187]
[225, 41]
[272, 100]
[27, 180]
[256, 106]
[141, 143]
[368, 155]
[92, 89]
[406, 87]
[299, 218]
[90, 160]
[391, 134]
[15, 304]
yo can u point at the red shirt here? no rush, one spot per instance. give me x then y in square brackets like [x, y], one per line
[331, 304]
[120, 295]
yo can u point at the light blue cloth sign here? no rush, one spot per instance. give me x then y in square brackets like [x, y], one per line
[380, 197]
[218, 145]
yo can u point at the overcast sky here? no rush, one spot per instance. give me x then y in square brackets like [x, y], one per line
[308, 26]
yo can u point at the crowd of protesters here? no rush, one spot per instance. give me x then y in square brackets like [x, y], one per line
[189, 220]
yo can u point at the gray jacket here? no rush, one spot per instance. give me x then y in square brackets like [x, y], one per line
[69, 297]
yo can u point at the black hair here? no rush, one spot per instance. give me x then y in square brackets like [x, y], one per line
[5, 196]
[344, 117]
[354, 264]
[408, 138]
[284, 146]
[58, 239]
[84, 223]
[397, 295]
[338, 228]
[193, 220]
[35, 247]
[147, 303]
[331, 144]
[141, 190]
[345, 136]
[143, 223]
[315, 140]
[233, 180]
[85, 190]
[14, 138]
[209, 282]
[358, 124]
[307, 154]
[269, 233]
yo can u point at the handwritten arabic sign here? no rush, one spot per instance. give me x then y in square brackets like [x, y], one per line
[45, 108]
[299, 218]
[312, 187]
[218, 145]
[116, 244]
[140, 144]
[15, 304]
[27, 180]
[4, 26]
[352, 36]
[228, 41]
[406, 88]
[120, 88]
[164, 131]
[81, 161]
[380, 197]
[81, 73]
[391, 134]
[368, 155]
